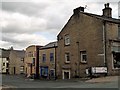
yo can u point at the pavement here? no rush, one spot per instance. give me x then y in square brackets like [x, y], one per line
[103, 79]
[6, 86]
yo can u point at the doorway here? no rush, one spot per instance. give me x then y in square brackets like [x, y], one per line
[66, 74]
[14, 70]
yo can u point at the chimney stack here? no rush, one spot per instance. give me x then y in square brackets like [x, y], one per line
[107, 11]
[77, 10]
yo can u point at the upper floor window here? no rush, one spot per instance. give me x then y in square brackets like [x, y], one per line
[33, 61]
[83, 55]
[22, 59]
[51, 57]
[30, 54]
[67, 40]
[67, 57]
[44, 57]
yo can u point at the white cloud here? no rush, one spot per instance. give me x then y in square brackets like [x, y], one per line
[21, 23]
[23, 40]
[40, 21]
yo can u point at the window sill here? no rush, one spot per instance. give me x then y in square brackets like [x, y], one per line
[52, 63]
[116, 68]
[67, 62]
[83, 62]
[67, 45]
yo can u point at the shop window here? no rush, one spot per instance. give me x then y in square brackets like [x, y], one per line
[116, 59]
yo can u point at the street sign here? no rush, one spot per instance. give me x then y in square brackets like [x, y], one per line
[99, 70]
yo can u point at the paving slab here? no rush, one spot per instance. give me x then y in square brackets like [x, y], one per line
[104, 79]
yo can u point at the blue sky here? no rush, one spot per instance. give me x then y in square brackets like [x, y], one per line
[38, 22]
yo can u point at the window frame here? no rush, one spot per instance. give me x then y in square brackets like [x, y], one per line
[33, 61]
[22, 59]
[67, 40]
[43, 58]
[3, 64]
[53, 72]
[21, 68]
[52, 57]
[113, 64]
[83, 53]
[67, 56]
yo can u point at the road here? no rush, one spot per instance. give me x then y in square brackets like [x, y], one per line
[21, 82]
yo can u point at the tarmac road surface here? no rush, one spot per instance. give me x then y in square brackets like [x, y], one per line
[17, 81]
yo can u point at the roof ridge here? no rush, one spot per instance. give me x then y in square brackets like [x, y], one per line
[110, 19]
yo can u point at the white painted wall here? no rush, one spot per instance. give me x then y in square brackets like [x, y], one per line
[3, 68]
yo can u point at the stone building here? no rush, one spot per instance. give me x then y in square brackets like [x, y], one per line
[16, 62]
[32, 60]
[47, 61]
[88, 40]
[4, 61]
[12, 61]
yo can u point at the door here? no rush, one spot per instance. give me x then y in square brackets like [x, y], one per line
[30, 68]
[44, 71]
[66, 74]
[14, 71]
[52, 73]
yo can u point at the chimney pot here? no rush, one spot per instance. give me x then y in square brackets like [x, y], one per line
[107, 11]
[107, 4]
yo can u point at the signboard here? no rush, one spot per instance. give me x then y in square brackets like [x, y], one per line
[99, 70]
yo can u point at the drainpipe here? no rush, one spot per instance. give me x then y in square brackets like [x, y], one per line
[55, 63]
[104, 44]
[78, 64]
[37, 62]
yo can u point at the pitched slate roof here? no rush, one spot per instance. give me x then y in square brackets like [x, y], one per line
[101, 17]
[20, 53]
[4, 53]
[108, 19]
[50, 45]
